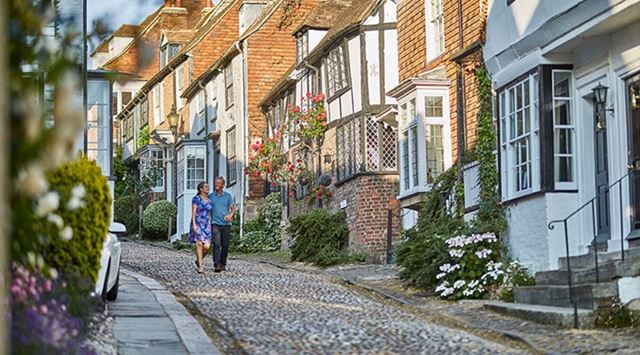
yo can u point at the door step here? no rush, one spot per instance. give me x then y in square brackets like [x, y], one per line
[587, 296]
[559, 316]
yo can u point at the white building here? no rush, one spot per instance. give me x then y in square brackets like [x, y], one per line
[560, 148]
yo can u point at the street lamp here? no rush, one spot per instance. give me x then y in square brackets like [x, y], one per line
[600, 94]
[173, 118]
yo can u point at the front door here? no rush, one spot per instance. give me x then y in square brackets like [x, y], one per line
[602, 174]
[633, 92]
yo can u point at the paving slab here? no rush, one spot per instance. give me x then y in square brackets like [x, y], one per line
[149, 320]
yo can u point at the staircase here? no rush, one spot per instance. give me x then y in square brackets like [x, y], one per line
[550, 302]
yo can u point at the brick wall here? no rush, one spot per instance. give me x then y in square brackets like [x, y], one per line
[413, 60]
[270, 53]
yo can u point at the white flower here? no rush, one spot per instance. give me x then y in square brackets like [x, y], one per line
[482, 254]
[32, 181]
[31, 258]
[55, 219]
[458, 284]
[441, 275]
[48, 203]
[456, 253]
[447, 292]
[75, 203]
[445, 267]
[53, 273]
[66, 233]
[79, 191]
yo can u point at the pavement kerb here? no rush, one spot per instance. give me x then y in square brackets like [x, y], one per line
[194, 338]
[510, 335]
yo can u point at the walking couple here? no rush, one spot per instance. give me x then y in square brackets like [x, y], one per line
[211, 216]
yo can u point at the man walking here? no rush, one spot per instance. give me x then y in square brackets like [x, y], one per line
[221, 216]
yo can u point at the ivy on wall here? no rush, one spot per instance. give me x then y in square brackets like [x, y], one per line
[490, 216]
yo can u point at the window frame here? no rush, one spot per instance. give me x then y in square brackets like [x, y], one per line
[232, 164]
[302, 46]
[509, 140]
[435, 42]
[344, 77]
[571, 184]
[228, 86]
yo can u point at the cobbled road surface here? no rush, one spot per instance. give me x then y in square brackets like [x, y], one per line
[257, 308]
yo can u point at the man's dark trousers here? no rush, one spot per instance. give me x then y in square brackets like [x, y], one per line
[221, 236]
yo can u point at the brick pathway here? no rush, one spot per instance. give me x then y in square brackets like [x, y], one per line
[260, 308]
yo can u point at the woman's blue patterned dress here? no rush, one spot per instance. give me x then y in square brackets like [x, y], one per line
[203, 221]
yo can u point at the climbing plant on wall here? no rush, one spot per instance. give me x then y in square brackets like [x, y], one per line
[490, 216]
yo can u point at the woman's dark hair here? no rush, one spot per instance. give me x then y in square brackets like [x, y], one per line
[200, 186]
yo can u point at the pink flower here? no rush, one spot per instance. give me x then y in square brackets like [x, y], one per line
[308, 95]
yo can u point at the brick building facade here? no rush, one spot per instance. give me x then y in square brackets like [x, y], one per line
[349, 55]
[439, 49]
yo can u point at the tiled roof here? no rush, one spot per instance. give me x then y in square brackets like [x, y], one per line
[324, 14]
[352, 15]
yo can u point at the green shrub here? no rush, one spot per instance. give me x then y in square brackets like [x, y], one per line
[320, 238]
[125, 210]
[90, 224]
[423, 249]
[156, 219]
[617, 316]
[261, 234]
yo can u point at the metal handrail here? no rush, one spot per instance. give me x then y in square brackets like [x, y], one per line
[595, 235]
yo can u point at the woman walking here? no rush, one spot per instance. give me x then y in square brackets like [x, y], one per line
[200, 232]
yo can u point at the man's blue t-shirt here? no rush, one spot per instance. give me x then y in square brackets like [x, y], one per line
[221, 207]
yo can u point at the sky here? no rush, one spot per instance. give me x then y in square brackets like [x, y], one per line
[115, 13]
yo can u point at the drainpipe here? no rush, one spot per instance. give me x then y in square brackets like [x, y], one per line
[316, 72]
[206, 123]
[460, 96]
[245, 128]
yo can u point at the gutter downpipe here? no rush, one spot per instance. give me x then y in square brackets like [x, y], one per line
[245, 129]
[206, 123]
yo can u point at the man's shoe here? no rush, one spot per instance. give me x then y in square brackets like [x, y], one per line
[218, 269]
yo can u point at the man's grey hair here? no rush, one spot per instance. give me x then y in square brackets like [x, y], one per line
[220, 178]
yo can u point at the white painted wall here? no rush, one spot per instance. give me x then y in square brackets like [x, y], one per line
[355, 67]
[315, 36]
[391, 74]
[526, 236]
[373, 66]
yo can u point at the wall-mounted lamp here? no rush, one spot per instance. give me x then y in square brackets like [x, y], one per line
[328, 158]
[173, 118]
[600, 93]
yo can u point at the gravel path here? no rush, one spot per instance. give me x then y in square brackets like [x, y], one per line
[265, 309]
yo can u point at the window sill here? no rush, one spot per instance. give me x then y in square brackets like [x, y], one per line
[412, 192]
[338, 93]
[522, 197]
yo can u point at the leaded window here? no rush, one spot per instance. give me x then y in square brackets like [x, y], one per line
[302, 46]
[435, 151]
[337, 70]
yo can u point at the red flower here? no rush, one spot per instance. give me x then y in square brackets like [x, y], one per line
[330, 194]
[296, 109]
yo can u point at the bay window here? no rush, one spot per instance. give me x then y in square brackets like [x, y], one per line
[563, 129]
[519, 117]
[152, 167]
[527, 123]
[191, 167]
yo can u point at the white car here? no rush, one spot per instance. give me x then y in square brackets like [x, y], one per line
[109, 274]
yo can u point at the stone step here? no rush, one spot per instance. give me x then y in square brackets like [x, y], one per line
[588, 260]
[559, 316]
[587, 296]
[607, 271]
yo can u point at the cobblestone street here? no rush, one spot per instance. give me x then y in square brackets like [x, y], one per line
[258, 308]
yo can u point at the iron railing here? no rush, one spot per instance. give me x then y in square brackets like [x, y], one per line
[592, 203]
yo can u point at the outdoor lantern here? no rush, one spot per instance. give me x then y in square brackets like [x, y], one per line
[173, 117]
[600, 92]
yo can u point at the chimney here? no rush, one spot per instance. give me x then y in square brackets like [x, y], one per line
[178, 3]
[168, 3]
